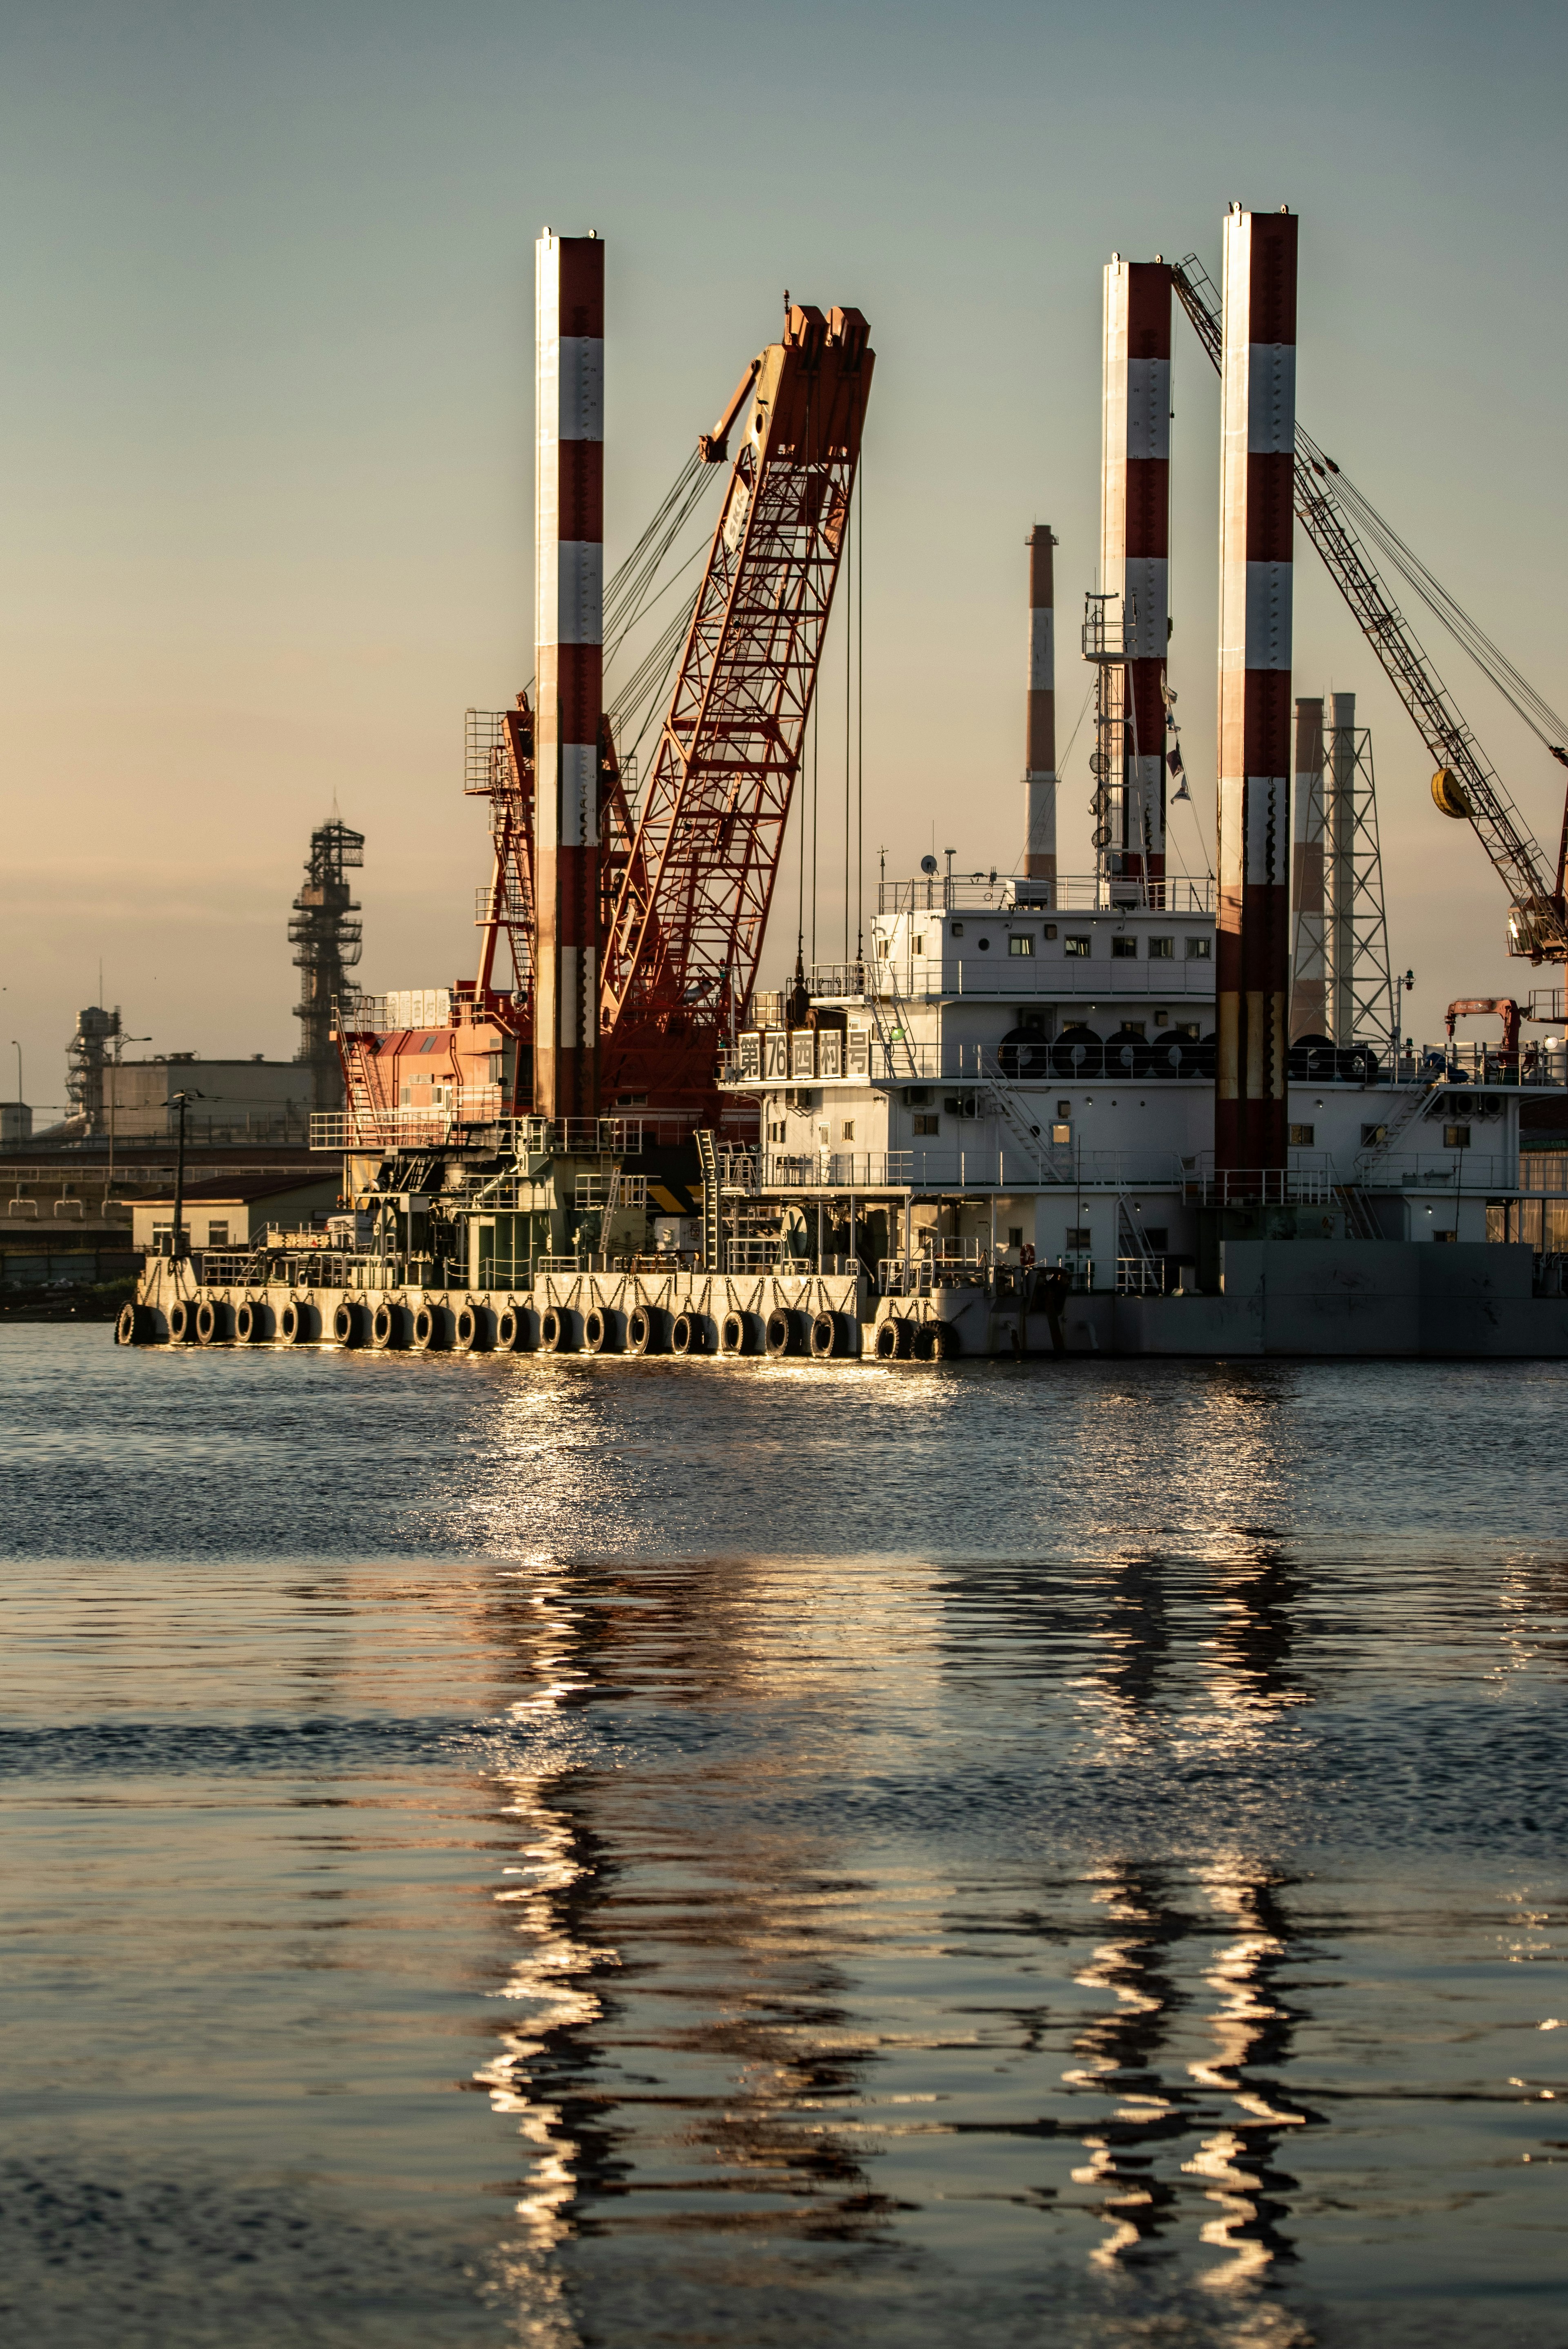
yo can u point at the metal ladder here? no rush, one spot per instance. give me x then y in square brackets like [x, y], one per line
[711, 1217]
[888, 1041]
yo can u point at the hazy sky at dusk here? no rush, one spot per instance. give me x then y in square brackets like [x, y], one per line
[267, 293]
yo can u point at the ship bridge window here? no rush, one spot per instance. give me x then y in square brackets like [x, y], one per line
[1161, 949]
[1075, 946]
[1021, 942]
[1124, 950]
[1198, 949]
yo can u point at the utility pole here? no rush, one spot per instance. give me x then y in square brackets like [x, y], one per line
[177, 1246]
[1401, 988]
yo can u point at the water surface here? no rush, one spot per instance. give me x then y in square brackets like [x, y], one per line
[596, 1853]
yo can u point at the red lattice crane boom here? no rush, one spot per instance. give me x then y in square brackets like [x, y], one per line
[685, 932]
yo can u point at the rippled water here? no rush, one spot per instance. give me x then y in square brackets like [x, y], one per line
[761, 1854]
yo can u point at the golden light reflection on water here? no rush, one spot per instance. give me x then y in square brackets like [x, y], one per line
[692, 2048]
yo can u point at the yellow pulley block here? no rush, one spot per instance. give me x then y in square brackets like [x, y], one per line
[1450, 793]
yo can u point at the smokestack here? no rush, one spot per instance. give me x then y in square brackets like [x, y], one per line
[568, 630]
[1257, 459]
[1135, 540]
[1040, 725]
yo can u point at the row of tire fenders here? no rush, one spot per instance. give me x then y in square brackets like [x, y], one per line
[519, 1328]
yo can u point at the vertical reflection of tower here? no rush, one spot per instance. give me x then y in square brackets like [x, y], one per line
[1120, 2052]
[1253, 2029]
[1252, 2023]
[644, 1957]
[1136, 2054]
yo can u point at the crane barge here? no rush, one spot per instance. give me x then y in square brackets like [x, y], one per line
[1042, 1112]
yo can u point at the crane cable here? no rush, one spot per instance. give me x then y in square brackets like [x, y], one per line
[1200, 298]
[1544, 722]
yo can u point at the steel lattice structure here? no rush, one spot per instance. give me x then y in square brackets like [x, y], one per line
[326, 931]
[686, 935]
[499, 765]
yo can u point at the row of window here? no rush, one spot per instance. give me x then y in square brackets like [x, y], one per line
[1080, 943]
[1455, 1137]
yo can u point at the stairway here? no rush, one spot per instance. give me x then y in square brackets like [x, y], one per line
[1360, 1217]
[1397, 1126]
[1016, 1114]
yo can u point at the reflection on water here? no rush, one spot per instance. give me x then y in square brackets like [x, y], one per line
[1110, 1906]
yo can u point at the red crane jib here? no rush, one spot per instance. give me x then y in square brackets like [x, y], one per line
[685, 928]
[684, 888]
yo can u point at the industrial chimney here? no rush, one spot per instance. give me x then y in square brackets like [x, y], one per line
[1040, 723]
[568, 639]
[1257, 461]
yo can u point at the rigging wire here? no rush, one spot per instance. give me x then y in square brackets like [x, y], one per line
[861, 713]
[1061, 770]
[816, 713]
[849, 680]
[1544, 722]
[647, 692]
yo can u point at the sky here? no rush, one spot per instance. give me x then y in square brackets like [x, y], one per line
[266, 419]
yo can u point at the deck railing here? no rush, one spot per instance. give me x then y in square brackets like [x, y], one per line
[1089, 893]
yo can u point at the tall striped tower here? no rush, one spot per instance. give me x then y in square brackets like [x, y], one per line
[569, 631]
[1040, 726]
[1135, 537]
[1257, 441]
